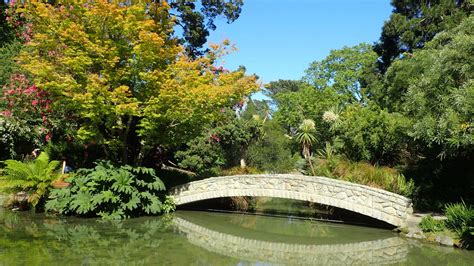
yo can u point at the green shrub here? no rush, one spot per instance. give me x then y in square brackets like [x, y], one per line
[203, 156]
[33, 177]
[271, 153]
[111, 193]
[168, 205]
[400, 184]
[372, 134]
[331, 165]
[240, 171]
[429, 224]
[8, 53]
[460, 219]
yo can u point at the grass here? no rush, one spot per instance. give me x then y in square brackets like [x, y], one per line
[459, 223]
[366, 174]
[429, 224]
[460, 219]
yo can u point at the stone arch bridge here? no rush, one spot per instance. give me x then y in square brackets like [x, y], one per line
[382, 205]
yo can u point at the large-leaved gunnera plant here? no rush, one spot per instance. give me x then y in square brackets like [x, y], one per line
[111, 193]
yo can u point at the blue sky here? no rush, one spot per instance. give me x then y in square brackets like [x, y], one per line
[277, 39]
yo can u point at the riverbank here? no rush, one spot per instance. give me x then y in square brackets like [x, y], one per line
[413, 230]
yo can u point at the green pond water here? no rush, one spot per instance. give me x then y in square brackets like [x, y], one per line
[207, 238]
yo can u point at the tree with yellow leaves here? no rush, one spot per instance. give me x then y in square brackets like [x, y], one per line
[123, 77]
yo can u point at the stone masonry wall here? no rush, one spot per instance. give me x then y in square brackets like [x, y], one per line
[376, 203]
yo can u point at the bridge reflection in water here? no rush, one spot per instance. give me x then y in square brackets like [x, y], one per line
[244, 244]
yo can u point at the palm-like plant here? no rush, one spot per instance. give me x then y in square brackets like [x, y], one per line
[34, 177]
[306, 137]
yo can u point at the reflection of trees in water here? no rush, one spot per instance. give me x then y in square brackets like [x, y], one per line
[267, 224]
[31, 239]
[26, 239]
[119, 241]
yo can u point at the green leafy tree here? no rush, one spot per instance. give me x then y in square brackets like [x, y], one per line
[440, 94]
[204, 155]
[306, 137]
[236, 136]
[347, 71]
[8, 53]
[197, 18]
[308, 102]
[272, 152]
[281, 86]
[413, 23]
[34, 177]
[259, 109]
[372, 134]
[121, 77]
[226, 144]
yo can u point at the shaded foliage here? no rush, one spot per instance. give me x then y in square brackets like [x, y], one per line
[203, 156]
[272, 152]
[224, 145]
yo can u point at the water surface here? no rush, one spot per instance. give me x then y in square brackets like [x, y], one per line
[206, 238]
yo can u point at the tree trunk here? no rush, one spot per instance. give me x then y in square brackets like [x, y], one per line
[124, 141]
[307, 156]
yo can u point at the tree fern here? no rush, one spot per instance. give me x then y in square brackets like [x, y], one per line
[33, 177]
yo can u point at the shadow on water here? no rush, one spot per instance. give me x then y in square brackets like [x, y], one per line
[203, 238]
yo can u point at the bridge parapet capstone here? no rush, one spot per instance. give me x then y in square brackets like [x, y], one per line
[376, 203]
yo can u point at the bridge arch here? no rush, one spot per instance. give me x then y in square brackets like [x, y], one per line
[382, 205]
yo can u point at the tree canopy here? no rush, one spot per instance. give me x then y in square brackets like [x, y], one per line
[120, 77]
[413, 23]
[194, 18]
[346, 71]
